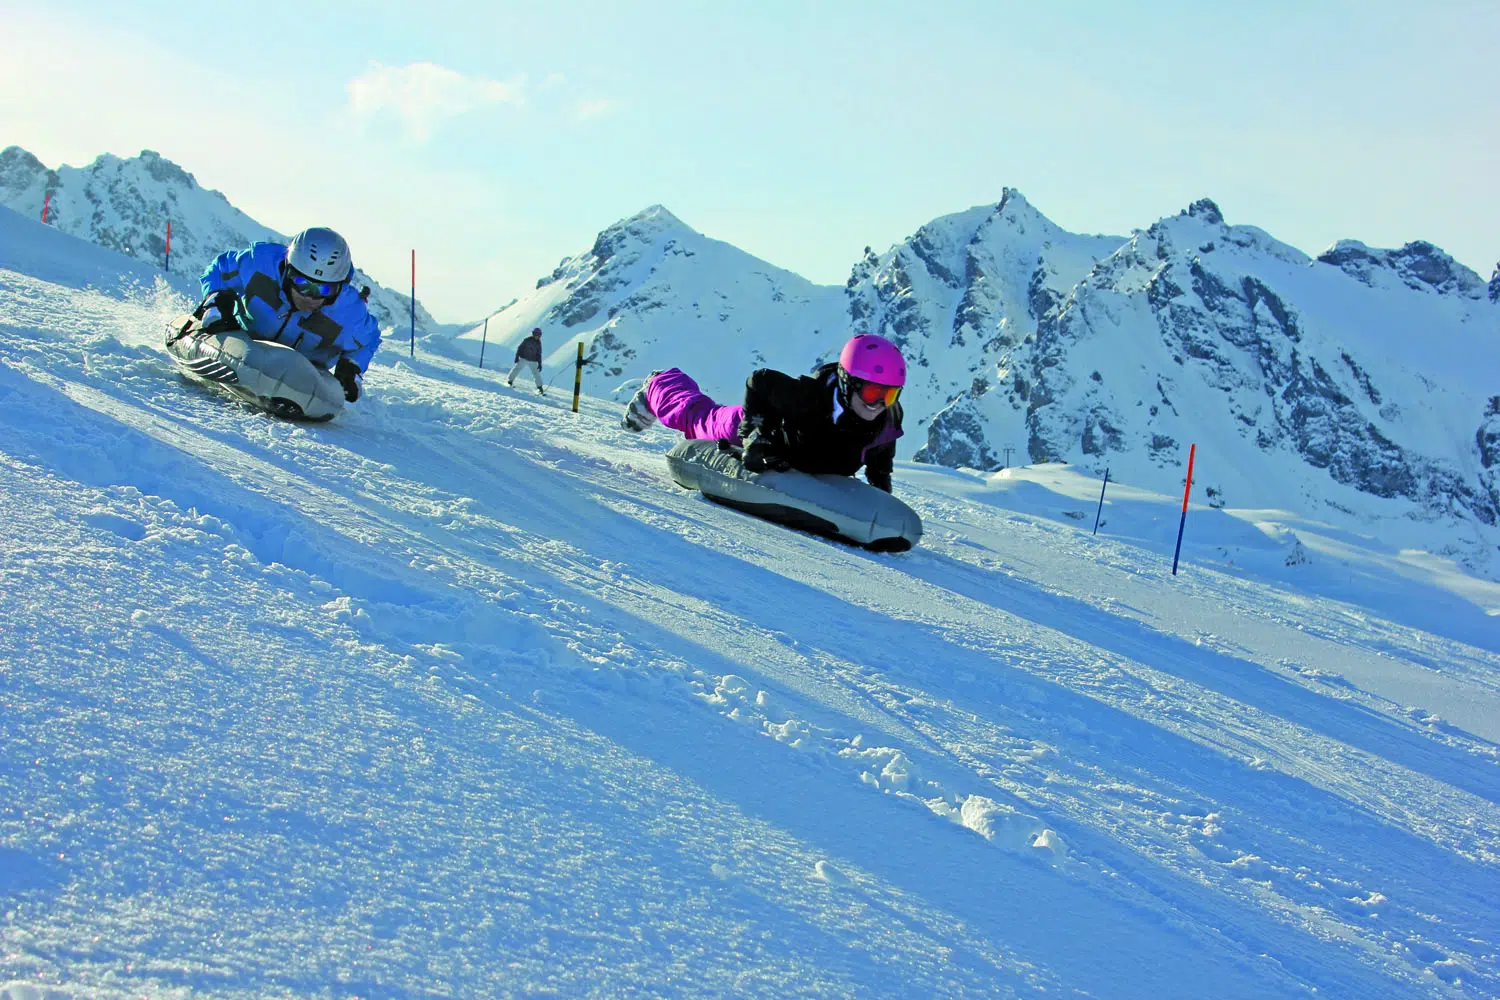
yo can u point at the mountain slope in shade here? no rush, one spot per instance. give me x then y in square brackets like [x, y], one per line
[125, 204]
[653, 293]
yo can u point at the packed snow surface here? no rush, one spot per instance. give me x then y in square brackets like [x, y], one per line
[460, 696]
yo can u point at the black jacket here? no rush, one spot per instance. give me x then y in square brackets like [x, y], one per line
[530, 349]
[795, 416]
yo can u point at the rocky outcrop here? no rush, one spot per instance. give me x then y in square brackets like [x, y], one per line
[1487, 440]
[1419, 266]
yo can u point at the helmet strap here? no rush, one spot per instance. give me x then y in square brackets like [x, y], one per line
[843, 386]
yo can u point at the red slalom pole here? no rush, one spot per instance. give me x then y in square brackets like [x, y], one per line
[1192, 452]
[169, 246]
[46, 203]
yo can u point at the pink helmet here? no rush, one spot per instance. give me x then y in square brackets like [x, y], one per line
[873, 359]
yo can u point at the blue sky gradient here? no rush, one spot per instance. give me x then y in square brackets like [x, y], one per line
[799, 132]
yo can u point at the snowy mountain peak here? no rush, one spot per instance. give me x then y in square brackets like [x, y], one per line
[651, 227]
[1207, 210]
[653, 216]
[1418, 265]
[960, 296]
[652, 293]
[1015, 202]
[159, 168]
[1197, 225]
[20, 175]
[1201, 229]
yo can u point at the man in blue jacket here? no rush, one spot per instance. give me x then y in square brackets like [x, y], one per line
[298, 295]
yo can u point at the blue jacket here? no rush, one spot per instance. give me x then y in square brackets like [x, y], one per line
[339, 329]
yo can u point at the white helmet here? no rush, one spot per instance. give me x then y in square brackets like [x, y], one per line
[320, 253]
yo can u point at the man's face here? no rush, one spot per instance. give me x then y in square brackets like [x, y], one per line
[309, 293]
[306, 303]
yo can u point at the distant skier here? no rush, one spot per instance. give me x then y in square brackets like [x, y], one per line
[297, 295]
[529, 356]
[842, 416]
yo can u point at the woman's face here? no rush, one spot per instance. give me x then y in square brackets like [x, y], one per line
[866, 411]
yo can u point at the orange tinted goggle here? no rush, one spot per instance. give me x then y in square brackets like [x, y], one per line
[873, 392]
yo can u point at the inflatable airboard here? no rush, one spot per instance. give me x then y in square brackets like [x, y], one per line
[841, 506]
[268, 375]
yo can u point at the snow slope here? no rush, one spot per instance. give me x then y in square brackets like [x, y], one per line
[459, 696]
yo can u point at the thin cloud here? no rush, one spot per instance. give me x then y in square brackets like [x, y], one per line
[424, 95]
[588, 110]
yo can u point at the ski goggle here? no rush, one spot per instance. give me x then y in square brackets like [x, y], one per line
[874, 393]
[303, 285]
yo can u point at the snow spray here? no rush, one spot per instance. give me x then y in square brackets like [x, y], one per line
[1192, 451]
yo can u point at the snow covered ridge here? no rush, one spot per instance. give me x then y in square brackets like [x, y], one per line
[124, 205]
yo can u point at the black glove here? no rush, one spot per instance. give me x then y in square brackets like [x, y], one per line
[349, 376]
[759, 456]
[217, 312]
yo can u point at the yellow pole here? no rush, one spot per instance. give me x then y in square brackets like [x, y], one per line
[578, 377]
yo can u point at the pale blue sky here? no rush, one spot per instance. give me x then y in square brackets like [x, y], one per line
[498, 138]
